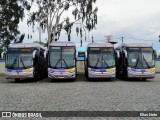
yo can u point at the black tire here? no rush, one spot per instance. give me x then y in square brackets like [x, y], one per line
[73, 80]
[144, 79]
[17, 80]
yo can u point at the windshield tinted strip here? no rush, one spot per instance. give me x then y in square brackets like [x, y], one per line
[22, 70]
[98, 70]
[60, 70]
[140, 70]
[102, 70]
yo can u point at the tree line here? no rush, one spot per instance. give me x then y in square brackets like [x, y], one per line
[49, 16]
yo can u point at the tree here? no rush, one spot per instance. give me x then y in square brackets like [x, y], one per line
[50, 12]
[11, 12]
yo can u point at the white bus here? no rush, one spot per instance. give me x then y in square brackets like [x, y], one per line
[136, 61]
[62, 60]
[100, 61]
[25, 60]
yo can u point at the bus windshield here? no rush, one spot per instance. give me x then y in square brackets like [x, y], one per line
[101, 57]
[140, 57]
[19, 58]
[62, 57]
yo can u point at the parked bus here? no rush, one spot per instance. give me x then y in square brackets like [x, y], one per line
[25, 60]
[136, 61]
[100, 60]
[62, 60]
[156, 54]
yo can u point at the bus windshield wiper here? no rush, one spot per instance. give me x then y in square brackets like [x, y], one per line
[146, 62]
[137, 62]
[22, 62]
[105, 62]
[65, 63]
[97, 62]
[57, 63]
[13, 62]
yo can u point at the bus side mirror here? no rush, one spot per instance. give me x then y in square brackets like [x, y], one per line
[76, 54]
[118, 55]
[125, 52]
[85, 55]
[34, 53]
[2, 54]
[45, 54]
[156, 54]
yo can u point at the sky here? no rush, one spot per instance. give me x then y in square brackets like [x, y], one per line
[135, 20]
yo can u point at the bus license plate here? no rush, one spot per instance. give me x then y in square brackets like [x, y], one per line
[141, 75]
[61, 77]
[17, 76]
[102, 76]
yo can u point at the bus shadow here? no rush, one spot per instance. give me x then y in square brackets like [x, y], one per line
[82, 78]
[101, 80]
[28, 80]
[135, 80]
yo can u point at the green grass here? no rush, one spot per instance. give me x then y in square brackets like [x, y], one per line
[2, 74]
[80, 72]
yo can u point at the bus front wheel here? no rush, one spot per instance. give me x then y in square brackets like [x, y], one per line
[17, 79]
[144, 79]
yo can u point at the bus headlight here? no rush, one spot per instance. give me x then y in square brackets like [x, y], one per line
[150, 70]
[70, 70]
[111, 70]
[28, 70]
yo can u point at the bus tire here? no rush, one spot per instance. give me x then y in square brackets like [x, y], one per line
[73, 80]
[144, 79]
[17, 80]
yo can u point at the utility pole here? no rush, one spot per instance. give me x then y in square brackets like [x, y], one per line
[159, 38]
[92, 39]
[122, 39]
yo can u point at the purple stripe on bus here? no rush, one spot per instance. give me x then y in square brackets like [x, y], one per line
[98, 70]
[18, 70]
[63, 70]
[102, 70]
[57, 70]
[143, 70]
[10, 70]
[133, 69]
[140, 70]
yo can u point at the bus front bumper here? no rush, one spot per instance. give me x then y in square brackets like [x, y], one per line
[141, 73]
[101, 73]
[62, 73]
[26, 73]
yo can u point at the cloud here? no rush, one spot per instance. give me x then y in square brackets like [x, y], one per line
[132, 19]
[128, 18]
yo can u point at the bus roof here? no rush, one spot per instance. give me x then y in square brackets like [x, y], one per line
[100, 45]
[26, 45]
[62, 43]
[136, 45]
